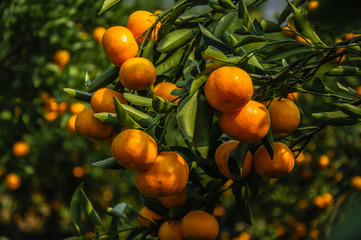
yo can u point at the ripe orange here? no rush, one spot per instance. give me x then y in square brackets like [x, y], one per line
[98, 34]
[312, 5]
[249, 124]
[148, 216]
[77, 107]
[222, 155]
[119, 44]
[62, 107]
[89, 126]
[102, 100]
[292, 96]
[285, 116]
[61, 57]
[134, 149]
[281, 164]
[328, 199]
[319, 201]
[199, 224]
[228, 89]
[21, 149]
[78, 171]
[156, 12]
[323, 161]
[175, 200]
[356, 182]
[137, 73]
[13, 181]
[167, 176]
[358, 90]
[139, 21]
[288, 30]
[171, 230]
[164, 89]
[70, 126]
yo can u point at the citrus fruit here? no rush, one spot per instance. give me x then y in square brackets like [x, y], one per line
[98, 34]
[175, 200]
[21, 149]
[89, 126]
[70, 126]
[319, 201]
[323, 161]
[199, 224]
[164, 90]
[312, 5]
[228, 89]
[119, 44]
[222, 156]
[62, 57]
[137, 73]
[13, 181]
[134, 149]
[170, 230]
[147, 216]
[102, 100]
[292, 96]
[249, 124]
[356, 182]
[285, 116]
[78, 171]
[139, 21]
[167, 176]
[77, 107]
[281, 164]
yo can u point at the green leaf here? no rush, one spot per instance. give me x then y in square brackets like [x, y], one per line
[209, 39]
[120, 211]
[104, 79]
[287, 50]
[226, 4]
[257, 27]
[243, 203]
[89, 210]
[108, 163]
[197, 83]
[336, 118]
[75, 209]
[109, 118]
[162, 105]
[79, 95]
[344, 71]
[268, 143]
[288, 10]
[214, 54]
[186, 117]
[236, 159]
[270, 27]
[148, 50]
[203, 128]
[173, 135]
[304, 28]
[175, 39]
[224, 23]
[113, 229]
[250, 39]
[318, 86]
[171, 66]
[243, 14]
[138, 100]
[123, 117]
[87, 79]
[73, 238]
[351, 110]
[108, 4]
[140, 117]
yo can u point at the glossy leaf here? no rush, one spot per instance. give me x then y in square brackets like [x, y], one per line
[236, 159]
[171, 65]
[287, 50]
[226, 4]
[138, 100]
[224, 23]
[108, 163]
[120, 211]
[250, 39]
[123, 117]
[175, 39]
[108, 4]
[173, 136]
[197, 83]
[269, 26]
[344, 71]
[337, 118]
[79, 95]
[214, 54]
[89, 210]
[243, 14]
[186, 117]
[211, 40]
[104, 79]
[288, 10]
[351, 110]
[109, 118]
[161, 105]
[140, 117]
[87, 79]
[148, 50]
[75, 209]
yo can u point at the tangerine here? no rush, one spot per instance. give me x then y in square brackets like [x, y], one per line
[140, 21]
[175, 200]
[164, 90]
[13, 181]
[62, 57]
[171, 230]
[98, 34]
[199, 224]
[147, 216]
[102, 100]
[70, 126]
[21, 149]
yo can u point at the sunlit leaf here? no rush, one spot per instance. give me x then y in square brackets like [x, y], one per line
[75, 209]
[108, 4]
[175, 39]
[351, 110]
[224, 23]
[186, 117]
[344, 71]
[79, 95]
[89, 210]
[108, 163]
[123, 117]
[104, 79]
[161, 105]
[148, 50]
[171, 65]
[337, 118]
[138, 100]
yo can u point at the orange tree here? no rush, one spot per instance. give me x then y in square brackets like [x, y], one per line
[233, 75]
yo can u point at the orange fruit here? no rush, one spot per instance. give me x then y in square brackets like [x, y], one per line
[134, 149]
[167, 176]
[319, 201]
[312, 5]
[62, 107]
[51, 116]
[137, 73]
[89, 126]
[281, 164]
[156, 12]
[148, 216]
[77, 107]
[249, 124]
[356, 182]
[289, 30]
[292, 96]
[21, 149]
[119, 44]
[323, 161]
[228, 89]
[243, 236]
[351, 35]
[219, 211]
[175, 200]
[222, 156]
[78, 171]
[139, 21]
[170, 230]
[13, 181]
[98, 34]
[300, 229]
[199, 224]
[328, 199]
[358, 90]
[164, 90]
[102, 100]
[61, 57]
[285, 116]
[70, 126]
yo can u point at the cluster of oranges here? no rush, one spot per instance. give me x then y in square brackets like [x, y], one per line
[230, 91]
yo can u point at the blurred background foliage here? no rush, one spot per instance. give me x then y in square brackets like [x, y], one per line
[36, 188]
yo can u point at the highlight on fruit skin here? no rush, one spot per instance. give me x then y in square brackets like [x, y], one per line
[102, 100]
[139, 22]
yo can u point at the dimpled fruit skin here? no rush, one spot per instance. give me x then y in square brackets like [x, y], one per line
[119, 44]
